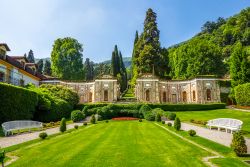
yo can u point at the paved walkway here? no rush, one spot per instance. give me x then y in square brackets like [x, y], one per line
[214, 135]
[233, 108]
[17, 139]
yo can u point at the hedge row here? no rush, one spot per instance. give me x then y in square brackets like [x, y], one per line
[54, 102]
[165, 107]
[242, 94]
[16, 103]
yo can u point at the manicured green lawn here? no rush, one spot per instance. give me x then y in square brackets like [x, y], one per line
[186, 116]
[129, 143]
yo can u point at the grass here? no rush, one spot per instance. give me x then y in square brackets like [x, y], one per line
[117, 143]
[186, 116]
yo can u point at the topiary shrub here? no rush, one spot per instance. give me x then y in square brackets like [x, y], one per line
[239, 144]
[158, 117]
[43, 135]
[107, 121]
[93, 120]
[76, 126]
[77, 116]
[63, 125]
[177, 124]
[171, 116]
[169, 124]
[163, 122]
[85, 123]
[192, 132]
[140, 120]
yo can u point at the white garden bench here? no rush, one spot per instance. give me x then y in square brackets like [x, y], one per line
[225, 123]
[10, 126]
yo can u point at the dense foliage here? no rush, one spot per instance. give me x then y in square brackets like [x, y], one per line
[216, 49]
[93, 119]
[54, 102]
[31, 57]
[66, 59]
[16, 103]
[239, 144]
[47, 68]
[242, 94]
[77, 115]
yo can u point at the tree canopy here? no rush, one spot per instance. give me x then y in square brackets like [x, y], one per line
[66, 59]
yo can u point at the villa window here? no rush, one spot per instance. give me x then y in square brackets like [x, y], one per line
[184, 96]
[90, 96]
[1, 77]
[164, 99]
[105, 95]
[208, 95]
[194, 97]
[147, 95]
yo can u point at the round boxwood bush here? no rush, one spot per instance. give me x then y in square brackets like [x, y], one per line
[163, 122]
[43, 135]
[140, 120]
[107, 121]
[169, 124]
[192, 132]
[171, 116]
[85, 123]
[77, 115]
[76, 126]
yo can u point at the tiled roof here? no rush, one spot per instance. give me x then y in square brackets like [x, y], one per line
[17, 64]
[5, 45]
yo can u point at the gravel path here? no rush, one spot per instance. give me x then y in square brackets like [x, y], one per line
[17, 139]
[214, 135]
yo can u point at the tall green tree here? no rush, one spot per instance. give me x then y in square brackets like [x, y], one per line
[151, 51]
[40, 66]
[239, 65]
[66, 59]
[47, 68]
[134, 64]
[31, 57]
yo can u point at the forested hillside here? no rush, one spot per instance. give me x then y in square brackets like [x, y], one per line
[221, 48]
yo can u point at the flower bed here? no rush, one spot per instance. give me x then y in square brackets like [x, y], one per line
[124, 118]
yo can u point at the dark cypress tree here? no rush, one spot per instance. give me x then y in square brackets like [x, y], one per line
[47, 68]
[88, 68]
[31, 57]
[40, 66]
[114, 64]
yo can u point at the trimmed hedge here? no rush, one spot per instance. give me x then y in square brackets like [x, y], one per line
[77, 116]
[242, 94]
[16, 103]
[136, 106]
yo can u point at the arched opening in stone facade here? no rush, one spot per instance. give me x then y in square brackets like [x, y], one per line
[90, 96]
[81, 99]
[106, 98]
[208, 95]
[164, 97]
[174, 100]
[147, 95]
[194, 96]
[184, 96]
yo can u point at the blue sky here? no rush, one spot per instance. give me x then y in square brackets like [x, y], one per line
[100, 24]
